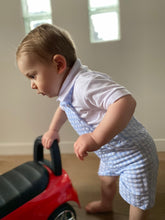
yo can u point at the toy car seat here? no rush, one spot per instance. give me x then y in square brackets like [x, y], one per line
[24, 182]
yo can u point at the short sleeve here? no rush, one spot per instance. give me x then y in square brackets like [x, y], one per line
[97, 90]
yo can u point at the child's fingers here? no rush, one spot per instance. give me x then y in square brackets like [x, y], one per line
[85, 154]
[46, 142]
[43, 141]
[77, 154]
[77, 151]
[49, 144]
[80, 157]
[81, 154]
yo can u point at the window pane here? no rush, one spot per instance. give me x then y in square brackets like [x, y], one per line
[34, 24]
[105, 27]
[38, 6]
[36, 12]
[102, 3]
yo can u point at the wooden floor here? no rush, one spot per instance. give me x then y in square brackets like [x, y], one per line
[84, 178]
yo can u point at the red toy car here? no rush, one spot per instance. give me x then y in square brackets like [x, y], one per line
[38, 189]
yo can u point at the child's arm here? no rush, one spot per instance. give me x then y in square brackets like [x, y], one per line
[114, 121]
[58, 120]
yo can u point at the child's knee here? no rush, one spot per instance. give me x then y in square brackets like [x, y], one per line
[108, 181]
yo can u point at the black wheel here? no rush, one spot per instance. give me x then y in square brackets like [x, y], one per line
[63, 212]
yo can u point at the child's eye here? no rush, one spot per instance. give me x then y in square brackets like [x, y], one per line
[31, 76]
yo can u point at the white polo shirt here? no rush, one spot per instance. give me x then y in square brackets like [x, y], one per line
[93, 92]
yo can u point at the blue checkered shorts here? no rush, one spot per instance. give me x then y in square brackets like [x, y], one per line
[137, 170]
[131, 155]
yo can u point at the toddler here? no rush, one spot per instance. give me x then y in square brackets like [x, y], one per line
[101, 112]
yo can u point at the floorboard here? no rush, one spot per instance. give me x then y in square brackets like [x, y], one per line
[84, 178]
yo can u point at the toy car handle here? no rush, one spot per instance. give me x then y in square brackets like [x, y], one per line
[56, 165]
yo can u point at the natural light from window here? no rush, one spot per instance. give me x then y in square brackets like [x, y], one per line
[104, 20]
[38, 6]
[36, 12]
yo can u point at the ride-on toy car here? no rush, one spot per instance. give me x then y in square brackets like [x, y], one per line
[38, 189]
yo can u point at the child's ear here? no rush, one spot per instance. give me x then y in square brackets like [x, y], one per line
[60, 62]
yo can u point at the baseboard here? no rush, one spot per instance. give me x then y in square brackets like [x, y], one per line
[27, 148]
[160, 144]
[65, 147]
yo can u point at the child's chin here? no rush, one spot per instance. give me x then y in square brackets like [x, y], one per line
[50, 96]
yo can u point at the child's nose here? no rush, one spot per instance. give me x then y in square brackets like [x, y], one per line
[33, 85]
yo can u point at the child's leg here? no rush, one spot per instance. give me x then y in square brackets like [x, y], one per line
[137, 214]
[108, 190]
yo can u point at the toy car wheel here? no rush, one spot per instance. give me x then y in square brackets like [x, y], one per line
[63, 212]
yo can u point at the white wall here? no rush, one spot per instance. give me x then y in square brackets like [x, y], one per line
[137, 61]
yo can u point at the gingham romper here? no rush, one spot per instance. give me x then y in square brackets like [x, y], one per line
[131, 155]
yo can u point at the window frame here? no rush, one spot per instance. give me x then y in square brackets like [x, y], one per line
[102, 10]
[29, 17]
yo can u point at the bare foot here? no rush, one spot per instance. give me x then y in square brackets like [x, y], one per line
[97, 207]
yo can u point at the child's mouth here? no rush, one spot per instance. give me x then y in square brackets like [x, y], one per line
[41, 93]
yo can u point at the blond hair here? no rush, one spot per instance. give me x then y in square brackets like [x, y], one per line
[47, 40]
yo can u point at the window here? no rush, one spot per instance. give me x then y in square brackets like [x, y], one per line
[36, 12]
[104, 20]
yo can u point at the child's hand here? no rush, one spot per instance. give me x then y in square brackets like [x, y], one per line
[49, 137]
[84, 144]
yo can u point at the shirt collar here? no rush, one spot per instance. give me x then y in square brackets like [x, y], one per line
[69, 81]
